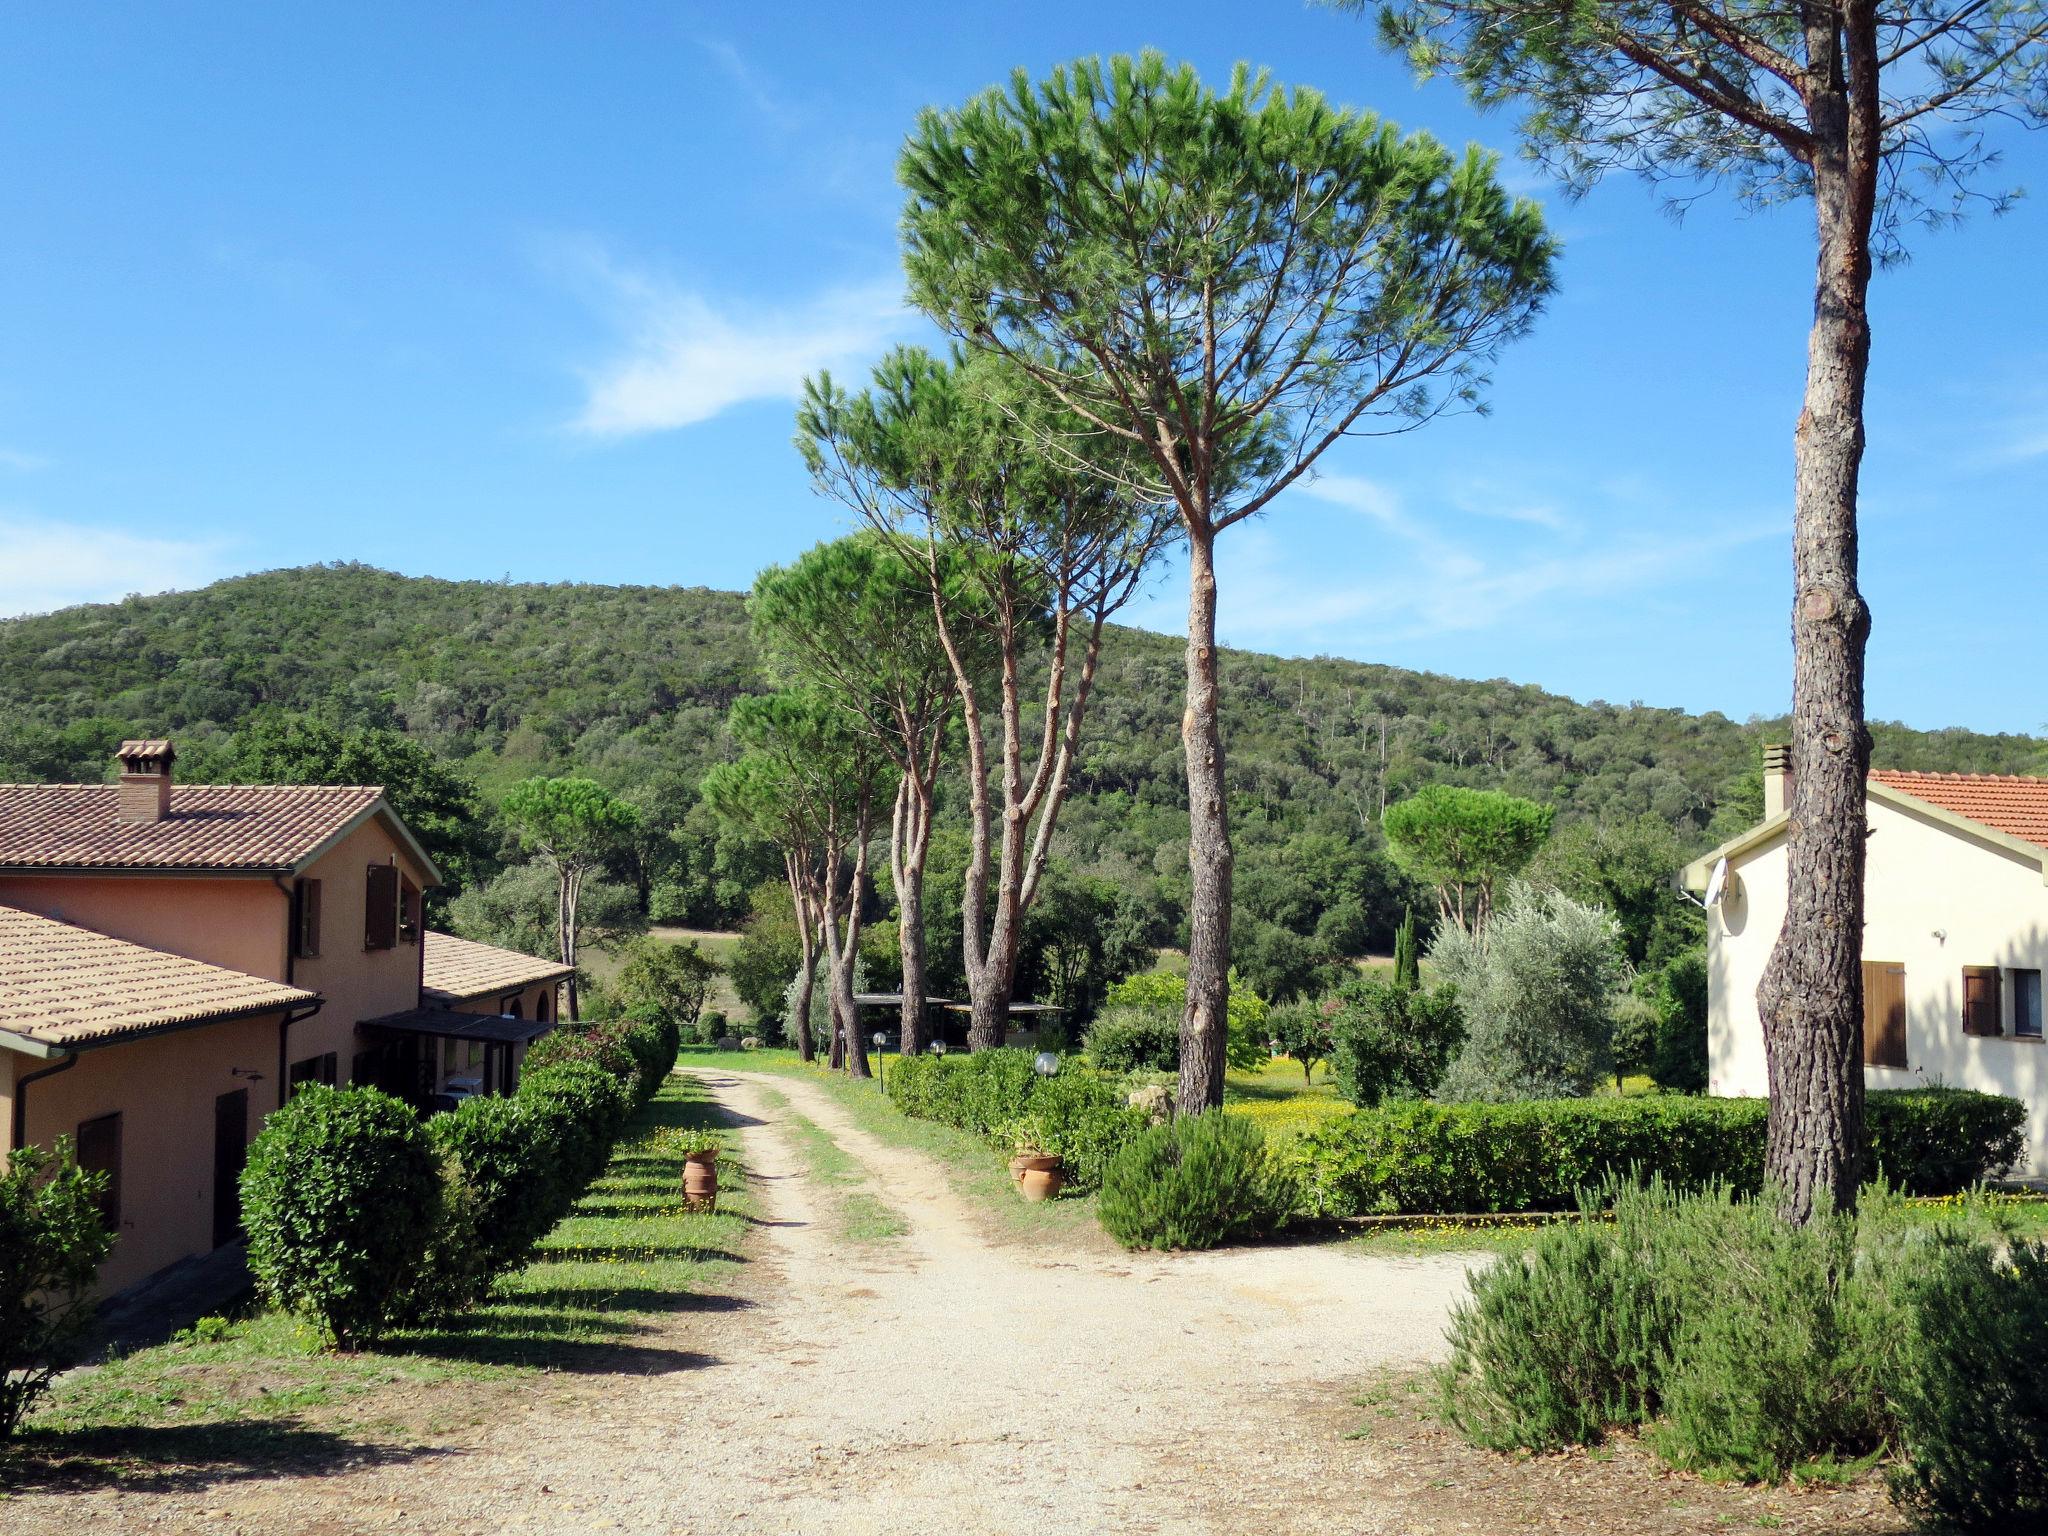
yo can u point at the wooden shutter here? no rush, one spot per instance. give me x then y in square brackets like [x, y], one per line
[1983, 1012]
[306, 919]
[99, 1151]
[380, 907]
[1884, 1013]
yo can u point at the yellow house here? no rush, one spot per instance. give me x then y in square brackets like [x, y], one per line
[1955, 937]
[176, 959]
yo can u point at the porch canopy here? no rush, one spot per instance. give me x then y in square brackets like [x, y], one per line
[447, 1024]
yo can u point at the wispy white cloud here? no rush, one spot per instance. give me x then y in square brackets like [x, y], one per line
[2019, 441]
[20, 462]
[683, 359]
[47, 564]
[752, 84]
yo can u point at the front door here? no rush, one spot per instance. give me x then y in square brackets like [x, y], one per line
[230, 1156]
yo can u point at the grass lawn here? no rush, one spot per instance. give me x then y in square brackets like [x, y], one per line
[978, 1172]
[589, 1301]
[1277, 1096]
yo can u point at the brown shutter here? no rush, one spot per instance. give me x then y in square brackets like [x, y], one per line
[1983, 1001]
[306, 919]
[380, 907]
[1884, 1013]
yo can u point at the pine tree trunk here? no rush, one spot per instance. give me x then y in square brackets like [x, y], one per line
[911, 845]
[806, 983]
[1203, 1026]
[1811, 996]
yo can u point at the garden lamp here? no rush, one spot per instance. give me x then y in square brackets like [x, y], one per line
[1046, 1063]
[938, 1047]
[881, 1060]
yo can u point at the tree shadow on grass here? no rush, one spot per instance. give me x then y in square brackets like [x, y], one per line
[188, 1458]
[555, 1346]
[630, 1298]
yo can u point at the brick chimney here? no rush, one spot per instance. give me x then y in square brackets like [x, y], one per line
[145, 780]
[1777, 777]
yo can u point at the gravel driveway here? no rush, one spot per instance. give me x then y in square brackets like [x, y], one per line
[932, 1383]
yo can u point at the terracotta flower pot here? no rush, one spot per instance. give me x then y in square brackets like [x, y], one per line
[700, 1181]
[1041, 1178]
[1018, 1165]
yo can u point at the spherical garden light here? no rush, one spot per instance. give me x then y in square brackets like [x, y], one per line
[1046, 1063]
[938, 1047]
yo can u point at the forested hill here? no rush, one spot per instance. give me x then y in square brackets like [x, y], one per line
[631, 684]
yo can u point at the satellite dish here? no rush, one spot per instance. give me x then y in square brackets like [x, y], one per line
[1717, 882]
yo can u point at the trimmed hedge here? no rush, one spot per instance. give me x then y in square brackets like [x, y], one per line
[341, 1197]
[1428, 1158]
[1073, 1115]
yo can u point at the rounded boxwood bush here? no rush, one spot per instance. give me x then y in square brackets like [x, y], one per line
[578, 1107]
[340, 1198]
[1194, 1182]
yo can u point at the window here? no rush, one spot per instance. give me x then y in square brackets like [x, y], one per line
[408, 911]
[540, 1007]
[1884, 1013]
[314, 1069]
[509, 1008]
[1982, 1003]
[99, 1151]
[305, 919]
[2026, 1004]
[380, 907]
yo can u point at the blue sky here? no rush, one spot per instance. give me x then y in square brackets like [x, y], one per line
[526, 290]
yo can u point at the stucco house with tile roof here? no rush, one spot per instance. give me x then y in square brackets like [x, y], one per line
[176, 959]
[1955, 937]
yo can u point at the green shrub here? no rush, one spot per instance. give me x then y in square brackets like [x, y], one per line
[1302, 1031]
[52, 1243]
[1678, 1051]
[1419, 1157]
[1971, 1395]
[578, 1107]
[512, 1184]
[711, 1027]
[600, 1043]
[1073, 1115]
[340, 1198]
[1125, 1039]
[1750, 1347]
[1165, 996]
[670, 979]
[652, 1038]
[1392, 1041]
[1194, 1182]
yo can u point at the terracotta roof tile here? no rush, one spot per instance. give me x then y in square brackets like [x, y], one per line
[460, 969]
[64, 985]
[211, 826]
[2004, 802]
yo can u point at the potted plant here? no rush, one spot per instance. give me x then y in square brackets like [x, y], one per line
[1037, 1173]
[699, 1151]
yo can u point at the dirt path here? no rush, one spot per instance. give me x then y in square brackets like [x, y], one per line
[930, 1383]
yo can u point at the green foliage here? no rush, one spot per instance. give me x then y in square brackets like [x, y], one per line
[1164, 995]
[1678, 1051]
[1302, 1032]
[1423, 1158]
[1194, 1182]
[1752, 1347]
[340, 1198]
[517, 910]
[1465, 842]
[683, 1141]
[1391, 1041]
[1628, 867]
[569, 821]
[513, 1183]
[1129, 1039]
[671, 978]
[601, 1044]
[580, 1106]
[1971, 1391]
[1074, 1115]
[1407, 957]
[52, 1243]
[1538, 993]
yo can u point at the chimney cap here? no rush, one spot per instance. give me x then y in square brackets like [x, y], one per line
[1777, 754]
[153, 751]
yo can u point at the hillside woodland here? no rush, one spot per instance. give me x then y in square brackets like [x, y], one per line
[488, 683]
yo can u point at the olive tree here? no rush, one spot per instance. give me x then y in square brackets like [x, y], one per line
[1227, 282]
[1877, 114]
[1026, 548]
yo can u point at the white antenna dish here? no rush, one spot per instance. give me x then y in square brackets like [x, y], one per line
[1717, 882]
